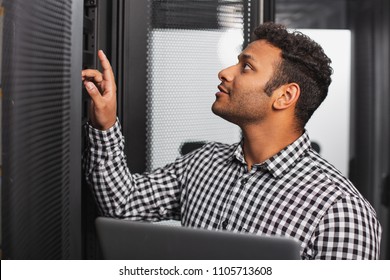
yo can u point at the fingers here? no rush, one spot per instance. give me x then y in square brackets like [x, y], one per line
[108, 74]
[92, 75]
[104, 81]
[95, 75]
[101, 88]
[93, 91]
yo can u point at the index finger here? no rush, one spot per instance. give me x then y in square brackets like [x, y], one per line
[108, 74]
[92, 74]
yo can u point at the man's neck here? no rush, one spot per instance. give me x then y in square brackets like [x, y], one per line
[262, 142]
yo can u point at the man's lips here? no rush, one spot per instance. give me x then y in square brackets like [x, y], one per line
[222, 89]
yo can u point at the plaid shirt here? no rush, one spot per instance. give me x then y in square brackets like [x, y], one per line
[295, 193]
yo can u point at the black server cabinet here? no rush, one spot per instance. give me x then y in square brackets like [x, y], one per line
[41, 122]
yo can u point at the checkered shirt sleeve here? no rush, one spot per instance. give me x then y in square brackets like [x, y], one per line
[119, 193]
[347, 231]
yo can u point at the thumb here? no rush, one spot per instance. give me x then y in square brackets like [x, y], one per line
[92, 91]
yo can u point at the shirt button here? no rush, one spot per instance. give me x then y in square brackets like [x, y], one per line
[225, 224]
[162, 211]
[244, 181]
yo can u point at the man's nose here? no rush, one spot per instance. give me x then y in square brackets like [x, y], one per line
[226, 74]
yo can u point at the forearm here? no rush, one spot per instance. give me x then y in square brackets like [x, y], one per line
[118, 193]
[106, 170]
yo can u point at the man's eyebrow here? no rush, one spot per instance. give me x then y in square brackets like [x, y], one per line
[245, 56]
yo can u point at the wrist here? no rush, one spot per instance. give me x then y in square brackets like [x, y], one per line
[103, 127]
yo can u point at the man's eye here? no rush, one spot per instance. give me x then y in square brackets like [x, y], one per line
[247, 66]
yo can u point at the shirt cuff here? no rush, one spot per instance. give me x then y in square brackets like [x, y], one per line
[109, 137]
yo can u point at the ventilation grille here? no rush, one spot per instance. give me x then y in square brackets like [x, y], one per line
[36, 123]
[197, 14]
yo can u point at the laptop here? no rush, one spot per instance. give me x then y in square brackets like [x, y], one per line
[130, 240]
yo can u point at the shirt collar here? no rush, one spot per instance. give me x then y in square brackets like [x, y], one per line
[284, 160]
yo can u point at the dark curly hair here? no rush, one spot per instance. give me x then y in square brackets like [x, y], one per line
[303, 62]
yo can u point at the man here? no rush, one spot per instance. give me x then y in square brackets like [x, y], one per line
[270, 183]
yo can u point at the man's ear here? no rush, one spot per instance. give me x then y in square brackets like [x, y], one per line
[286, 96]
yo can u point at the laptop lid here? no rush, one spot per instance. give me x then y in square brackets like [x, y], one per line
[124, 239]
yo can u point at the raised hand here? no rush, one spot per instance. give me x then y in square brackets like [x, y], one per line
[101, 88]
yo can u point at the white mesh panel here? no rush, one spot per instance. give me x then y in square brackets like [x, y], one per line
[182, 80]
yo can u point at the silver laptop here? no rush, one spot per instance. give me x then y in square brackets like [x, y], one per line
[123, 239]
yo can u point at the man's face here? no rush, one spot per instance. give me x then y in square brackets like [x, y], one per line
[241, 98]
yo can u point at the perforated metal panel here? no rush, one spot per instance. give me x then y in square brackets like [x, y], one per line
[189, 42]
[37, 57]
